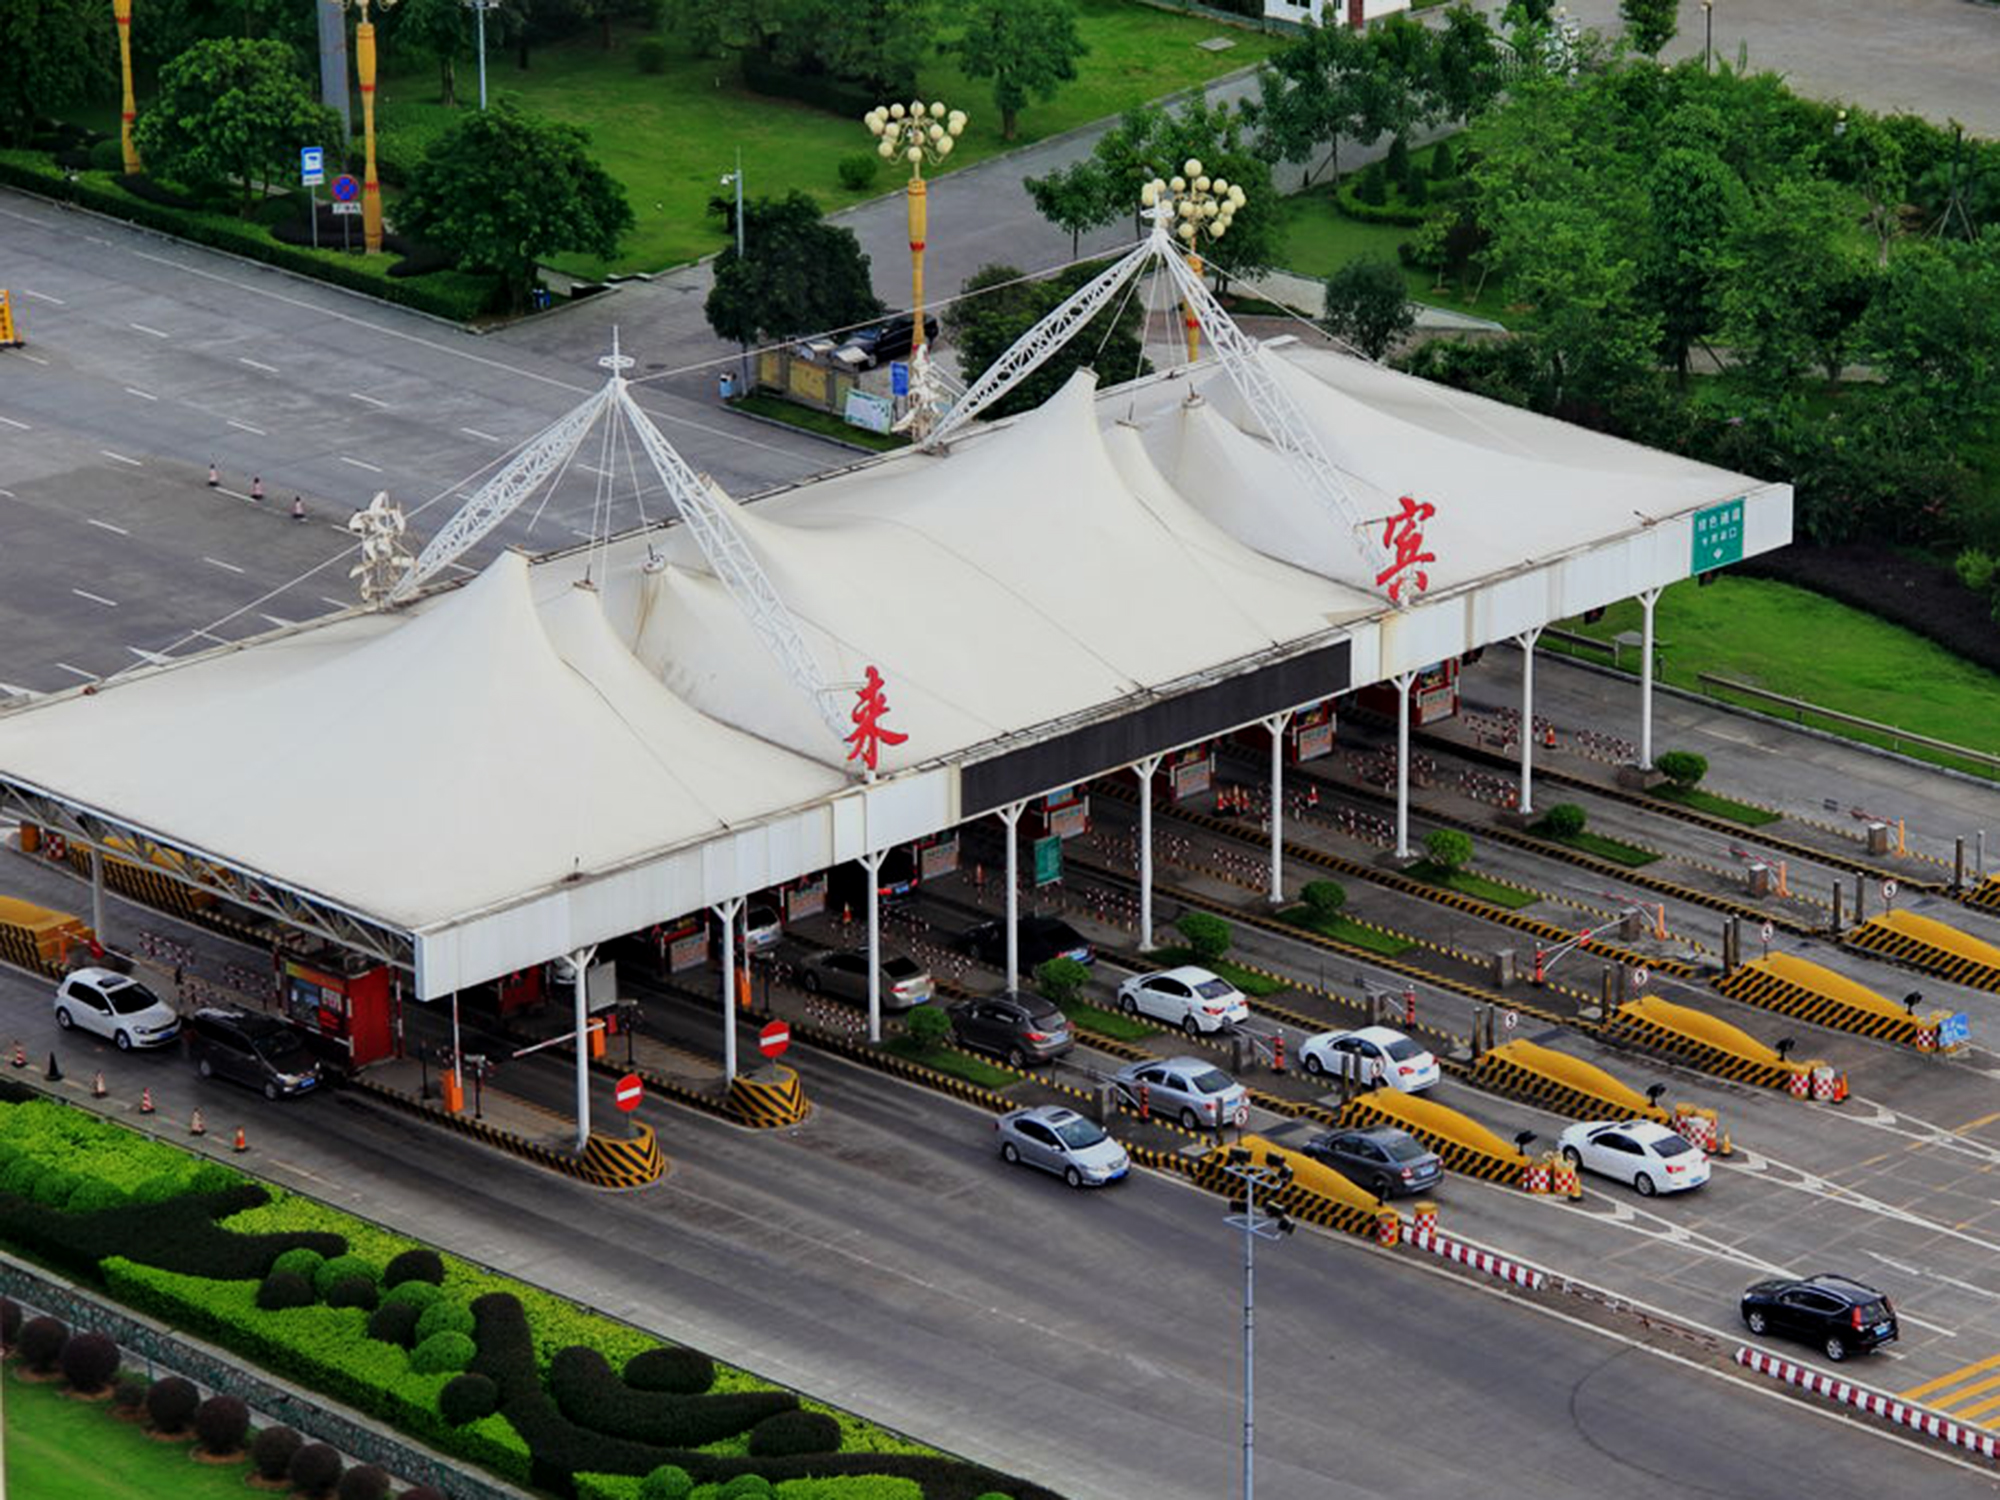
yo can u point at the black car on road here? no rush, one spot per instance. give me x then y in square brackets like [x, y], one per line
[892, 338]
[1384, 1159]
[246, 1047]
[1041, 939]
[1840, 1315]
[1023, 1028]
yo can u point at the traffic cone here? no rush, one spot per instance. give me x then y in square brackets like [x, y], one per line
[1312, 795]
[1145, 1102]
[197, 1125]
[97, 1088]
[1549, 737]
[20, 1054]
[1278, 1054]
[146, 1101]
[242, 1144]
[55, 1071]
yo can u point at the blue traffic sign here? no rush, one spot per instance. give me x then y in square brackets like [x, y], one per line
[312, 166]
[345, 189]
[899, 378]
[1955, 1031]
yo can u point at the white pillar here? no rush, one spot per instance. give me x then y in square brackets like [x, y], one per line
[97, 893]
[1526, 641]
[580, 965]
[727, 911]
[1403, 681]
[1010, 819]
[1145, 766]
[1276, 723]
[457, 1063]
[1646, 602]
[872, 863]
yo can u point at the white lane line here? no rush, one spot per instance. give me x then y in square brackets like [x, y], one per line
[371, 400]
[12, 423]
[371, 468]
[209, 635]
[588, 536]
[337, 603]
[121, 458]
[246, 427]
[86, 676]
[154, 657]
[133, 390]
[8, 690]
[593, 469]
[256, 365]
[484, 437]
[105, 525]
[28, 291]
[279, 621]
[9, 494]
[33, 359]
[219, 563]
[154, 332]
[95, 598]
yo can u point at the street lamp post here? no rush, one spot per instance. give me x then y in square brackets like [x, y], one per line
[479, 9]
[1272, 1177]
[371, 189]
[121, 11]
[1707, 32]
[917, 133]
[1201, 205]
[736, 179]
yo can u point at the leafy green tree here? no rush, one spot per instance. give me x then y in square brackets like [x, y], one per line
[1368, 305]
[1564, 821]
[1401, 78]
[1312, 93]
[164, 29]
[1323, 898]
[1683, 768]
[1029, 48]
[1467, 66]
[998, 304]
[1650, 24]
[231, 111]
[439, 29]
[1074, 199]
[928, 1026]
[1792, 288]
[1061, 979]
[53, 53]
[1447, 849]
[502, 188]
[1207, 936]
[1933, 329]
[1695, 202]
[800, 275]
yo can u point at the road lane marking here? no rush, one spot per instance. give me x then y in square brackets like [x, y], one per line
[593, 469]
[10, 494]
[209, 635]
[152, 332]
[371, 468]
[1971, 1125]
[244, 359]
[371, 400]
[106, 526]
[12, 423]
[484, 437]
[337, 603]
[121, 458]
[33, 359]
[86, 676]
[133, 390]
[219, 563]
[279, 621]
[95, 598]
[43, 297]
[152, 658]
[1990, 1362]
[245, 426]
[9, 689]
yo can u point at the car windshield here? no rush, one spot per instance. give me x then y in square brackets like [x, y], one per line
[1079, 1133]
[1214, 989]
[1874, 1312]
[1214, 1081]
[1044, 1014]
[1403, 1049]
[1671, 1145]
[130, 999]
[1402, 1147]
[279, 1047]
[901, 968]
[762, 916]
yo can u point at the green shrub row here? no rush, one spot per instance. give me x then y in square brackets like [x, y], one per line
[836, 1487]
[837, 96]
[92, 1148]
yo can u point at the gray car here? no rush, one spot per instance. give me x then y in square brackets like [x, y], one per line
[1061, 1141]
[1385, 1160]
[843, 973]
[1192, 1090]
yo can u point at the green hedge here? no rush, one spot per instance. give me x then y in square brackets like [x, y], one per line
[457, 295]
[92, 1147]
[838, 96]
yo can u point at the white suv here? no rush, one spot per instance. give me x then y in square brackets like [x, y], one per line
[116, 1006]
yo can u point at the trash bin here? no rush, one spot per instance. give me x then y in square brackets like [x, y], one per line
[725, 385]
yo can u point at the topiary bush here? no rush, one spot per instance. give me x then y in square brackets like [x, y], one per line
[1447, 849]
[352, 1291]
[172, 1403]
[1443, 165]
[443, 1317]
[1207, 935]
[1396, 165]
[1564, 821]
[421, 1265]
[283, 1289]
[301, 1260]
[394, 1323]
[927, 1026]
[442, 1353]
[590, 1394]
[89, 1362]
[271, 1453]
[670, 1368]
[365, 1482]
[343, 1265]
[1061, 979]
[54, 1188]
[1372, 186]
[1683, 768]
[221, 1423]
[1323, 898]
[668, 1482]
[746, 1487]
[95, 1193]
[791, 1432]
[858, 172]
[314, 1470]
[468, 1397]
[415, 1294]
[128, 1397]
[40, 1344]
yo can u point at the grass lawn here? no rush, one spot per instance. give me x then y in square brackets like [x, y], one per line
[1617, 850]
[1087, 1017]
[1247, 980]
[59, 1449]
[1478, 886]
[812, 419]
[1720, 807]
[669, 136]
[1347, 930]
[1792, 641]
[945, 1060]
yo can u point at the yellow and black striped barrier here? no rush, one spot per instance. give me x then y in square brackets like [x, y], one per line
[616, 1162]
[1798, 987]
[1466, 1146]
[1936, 947]
[143, 883]
[1363, 1216]
[768, 1098]
[1561, 1084]
[37, 939]
[633, 1163]
[1706, 1041]
[1985, 895]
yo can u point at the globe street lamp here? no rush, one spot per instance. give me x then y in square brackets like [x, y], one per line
[121, 11]
[916, 133]
[371, 189]
[479, 9]
[1707, 31]
[1200, 205]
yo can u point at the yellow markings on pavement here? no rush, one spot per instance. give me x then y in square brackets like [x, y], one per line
[1978, 1413]
[1956, 1378]
[1971, 1125]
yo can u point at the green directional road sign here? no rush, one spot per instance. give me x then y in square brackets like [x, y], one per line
[1048, 860]
[1718, 536]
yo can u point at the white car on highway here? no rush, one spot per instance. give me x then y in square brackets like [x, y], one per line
[1371, 1055]
[1188, 997]
[1649, 1156]
[117, 1007]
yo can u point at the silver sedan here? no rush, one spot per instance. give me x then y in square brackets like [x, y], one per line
[1189, 1089]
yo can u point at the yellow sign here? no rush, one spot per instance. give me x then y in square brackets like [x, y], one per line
[10, 337]
[809, 381]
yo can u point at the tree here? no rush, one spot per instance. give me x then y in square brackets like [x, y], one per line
[1467, 64]
[1323, 898]
[927, 1027]
[1061, 979]
[53, 53]
[800, 275]
[1368, 305]
[502, 188]
[228, 111]
[998, 304]
[1029, 48]
[1447, 849]
[1933, 328]
[1695, 201]
[1683, 768]
[437, 28]
[1311, 94]
[1564, 821]
[1650, 24]
[1073, 198]
[1208, 936]
[1792, 288]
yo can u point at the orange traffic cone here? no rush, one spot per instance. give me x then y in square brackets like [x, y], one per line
[97, 1088]
[241, 1143]
[146, 1101]
[1549, 737]
[197, 1126]
[20, 1054]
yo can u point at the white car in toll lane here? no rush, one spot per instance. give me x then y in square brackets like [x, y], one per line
[117, 1007]
[1188, 997]
[1648, 1155]
[1371, 1055]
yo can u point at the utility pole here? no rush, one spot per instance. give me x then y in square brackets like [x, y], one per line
[1272, 1177]
[736, 178]
[479, 9]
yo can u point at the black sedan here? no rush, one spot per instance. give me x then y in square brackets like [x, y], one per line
[1840, 1315]
[1385, 1160]
[1041, 939]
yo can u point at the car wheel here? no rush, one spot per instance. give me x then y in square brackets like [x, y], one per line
[271, 1092]
[1756, 1322]
[1836, 1347]
[1010, 1153]
[124, 1041]
[1190, 1120]
[1382, 1188]
[1573, 1156]
[1643, 1185]
[205, 1068]
[64, 1019]
[1190, 1025]
[1127, 1004]
[1075, 1179]
[1016, 1058]
[810, 983]
[1313, 1065]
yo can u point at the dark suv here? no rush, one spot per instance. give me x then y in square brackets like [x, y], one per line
[1022, 1028]
[1837, 1313]
[258, 1051]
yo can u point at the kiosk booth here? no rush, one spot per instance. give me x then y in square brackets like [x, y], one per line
[344, 1004]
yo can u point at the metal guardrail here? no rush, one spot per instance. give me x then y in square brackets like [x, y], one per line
[1798, 708]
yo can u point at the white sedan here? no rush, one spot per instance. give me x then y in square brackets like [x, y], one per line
[1372, 1055]
[1188, 997]
[116, 1006]
[1649, 1156]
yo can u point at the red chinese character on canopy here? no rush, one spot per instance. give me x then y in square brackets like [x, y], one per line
[870, 704]
[1405, 533]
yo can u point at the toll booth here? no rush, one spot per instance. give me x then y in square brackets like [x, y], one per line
[1191, 772]
[684, 944]
[804, 898]
[1061, 815]
[1309, 735]
[1433, 695]
[937, 856]
[345, 1005]
[520, 991]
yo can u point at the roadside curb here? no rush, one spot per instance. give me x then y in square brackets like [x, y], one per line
[1918, 1419]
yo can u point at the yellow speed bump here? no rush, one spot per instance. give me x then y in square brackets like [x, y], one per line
[1931, 944]
[36, 938]
[1711, 1043]
[1563, 1084]
[1467, 1146]
[1317, 1193]
[1799, 987]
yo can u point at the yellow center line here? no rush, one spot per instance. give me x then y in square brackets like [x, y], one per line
[1973, 1413]
[1990, 1362]
[1967, 1392]
[1971, 1125]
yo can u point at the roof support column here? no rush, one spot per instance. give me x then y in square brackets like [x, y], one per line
[1145, 766]
[726, 912]
[1010, 819]
[1526, 641]
[872, 863]
[580, 971]
[1403, 681]
[97, 894]
[1277, 724]
[1647, 599]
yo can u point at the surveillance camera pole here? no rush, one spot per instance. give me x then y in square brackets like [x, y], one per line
[1253, 1228]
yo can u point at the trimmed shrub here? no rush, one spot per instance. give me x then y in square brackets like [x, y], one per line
[343, 1265]
[10, 1321]
[468, 1397]
[95, 1194]
[420, 1265]
[859, 171]
[1372, 186]
[129, 1396]
[352, 1291]
[1396, 165]
[746, 1487]
[89, 1361]
[41, 1342]
[221, 1423]
[442, 1352]
[1061, 979]
[927, 1026]
[1323, 898]
[672, 1369]
[1565, 820]
[365, 1482]
[668, 1482]
[301, 1260]
[314, 1470]
[107, 156]
[172, 1403]
[650, 53]
[1416, 192]
[54, 1187]
[1443, 165]
[791, 1432]
[1683, 768]
[271, 1452]
[414, 1294]
[1447, 849]
[443, 1317]
[394, 1323]
[283, 1289]
[1207, 934]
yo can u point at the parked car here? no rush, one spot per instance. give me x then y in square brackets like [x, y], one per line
[1189, 1089]
[1372, 1055]
[1061, 1141]
[1040, 939]
[843, 973]
[1019, 1026]
[891, 338]
[116, 1006]
[1188, 997]
[847, 884]
[761, 927]
[257, 1051]
[1386, 1160]
[1642, 1152]
[1842, 1316]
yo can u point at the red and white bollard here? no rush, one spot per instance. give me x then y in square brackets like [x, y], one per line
[242, 1142]
[1424, 1220]
[97, 1088]
[1278, 1053]
[1799, 1084]
[1410, 1007]
[146, 1101]
[197, 1125]
[1388, 1230]
[1145, 1102]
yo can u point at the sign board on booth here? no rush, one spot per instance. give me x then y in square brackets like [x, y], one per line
[1718, 537]
[1955, 1031]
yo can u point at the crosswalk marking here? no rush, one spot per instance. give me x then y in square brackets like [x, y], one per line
[1957, 1383]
